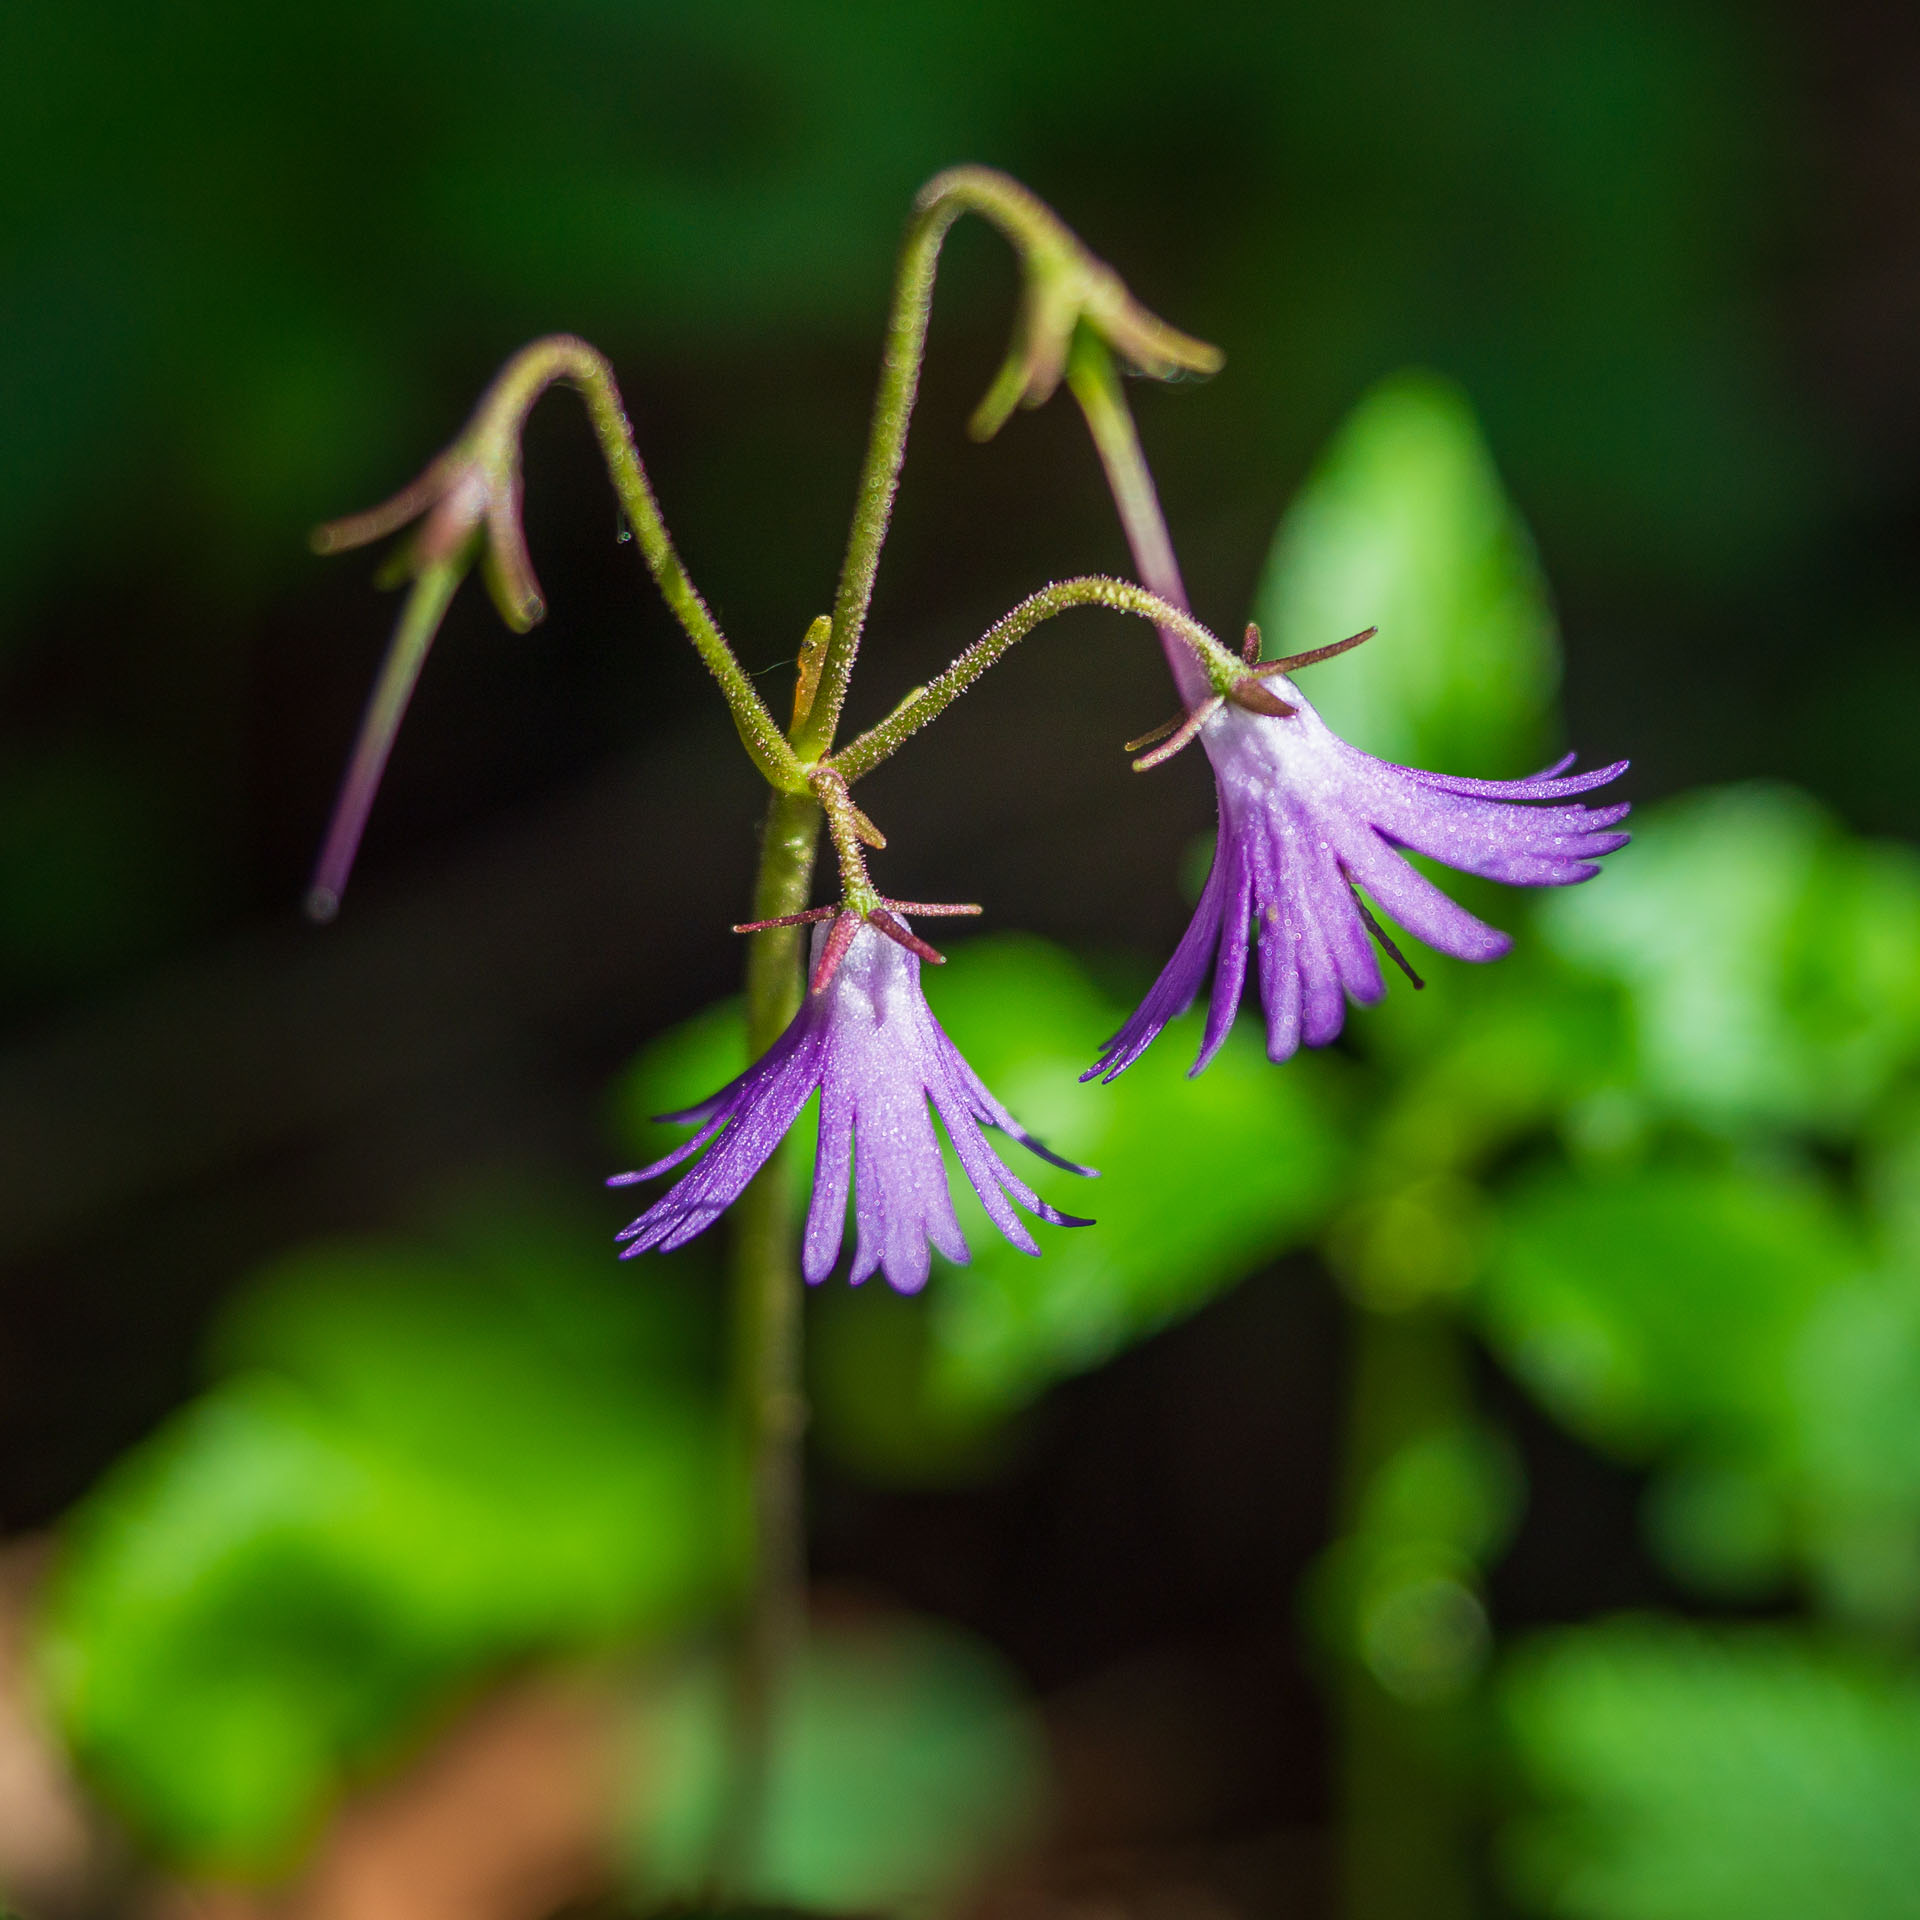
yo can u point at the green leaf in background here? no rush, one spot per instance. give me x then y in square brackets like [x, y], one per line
[1773, 961]
[1483, 1061]
[1202, 1181]
[427, 1466]
[1649, 1307]
[1689, 1776]
[1852, 1453]
[675, 1070]
[1404, 525]
[904, 1766]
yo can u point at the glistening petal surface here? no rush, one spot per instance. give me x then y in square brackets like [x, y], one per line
[1304, 820]
[869, 1044]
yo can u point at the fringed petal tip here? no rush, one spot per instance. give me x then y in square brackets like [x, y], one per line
[1055, 1218]
[1119, 1053]
[1547, 784]
[1496, 946]
[1204, 1059]
[1043, 1152]
[1595, 819]
[667, 1162]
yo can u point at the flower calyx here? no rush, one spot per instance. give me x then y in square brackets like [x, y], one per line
[877, 911]
[861, 901]
[1241, 689]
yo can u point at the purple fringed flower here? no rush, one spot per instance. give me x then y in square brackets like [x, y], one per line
[1304, 820]
[868, 1040]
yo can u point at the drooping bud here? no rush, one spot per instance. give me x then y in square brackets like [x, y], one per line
[1064, 287]
[466, 504]
[406, 654]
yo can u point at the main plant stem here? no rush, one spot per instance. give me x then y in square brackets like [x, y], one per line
[470, 500]
[768, 1386]
[1408, 1812]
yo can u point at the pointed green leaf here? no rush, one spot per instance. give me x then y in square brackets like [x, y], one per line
[1403, 525]
[1682, 1775]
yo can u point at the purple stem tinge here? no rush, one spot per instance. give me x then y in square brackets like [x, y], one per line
[419, 622]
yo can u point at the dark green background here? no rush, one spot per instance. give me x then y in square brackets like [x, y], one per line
[256, 264]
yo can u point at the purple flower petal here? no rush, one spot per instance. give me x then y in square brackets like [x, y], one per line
[1544, 785]
[973, 1093]
[832, 1180]
[1178, 985]
[871, 1046]
[1304, 819]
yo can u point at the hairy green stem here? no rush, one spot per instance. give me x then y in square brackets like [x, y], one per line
[493, 440]
[900, 363]
[1064, 282]
[768, 1392]
[843, 827]
[1216, 666]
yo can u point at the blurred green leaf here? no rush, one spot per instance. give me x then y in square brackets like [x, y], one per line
[904, 1764]
[1722, 1526]
[1772, 961]
[1404, 525]
[1852, 1451]
[675, 1070]
[1688, 1776]
[869, 1357]
[1202, 1181]
[678, 1069]
[1665, 1304]
[1736, 1327]
[1482, 1062]
[1458, 1487]
[1489, 1054]
[426, 1467]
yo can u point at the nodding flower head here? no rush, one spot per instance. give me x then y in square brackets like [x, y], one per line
[1305, 822]
[866, 1038]
[466, 502]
